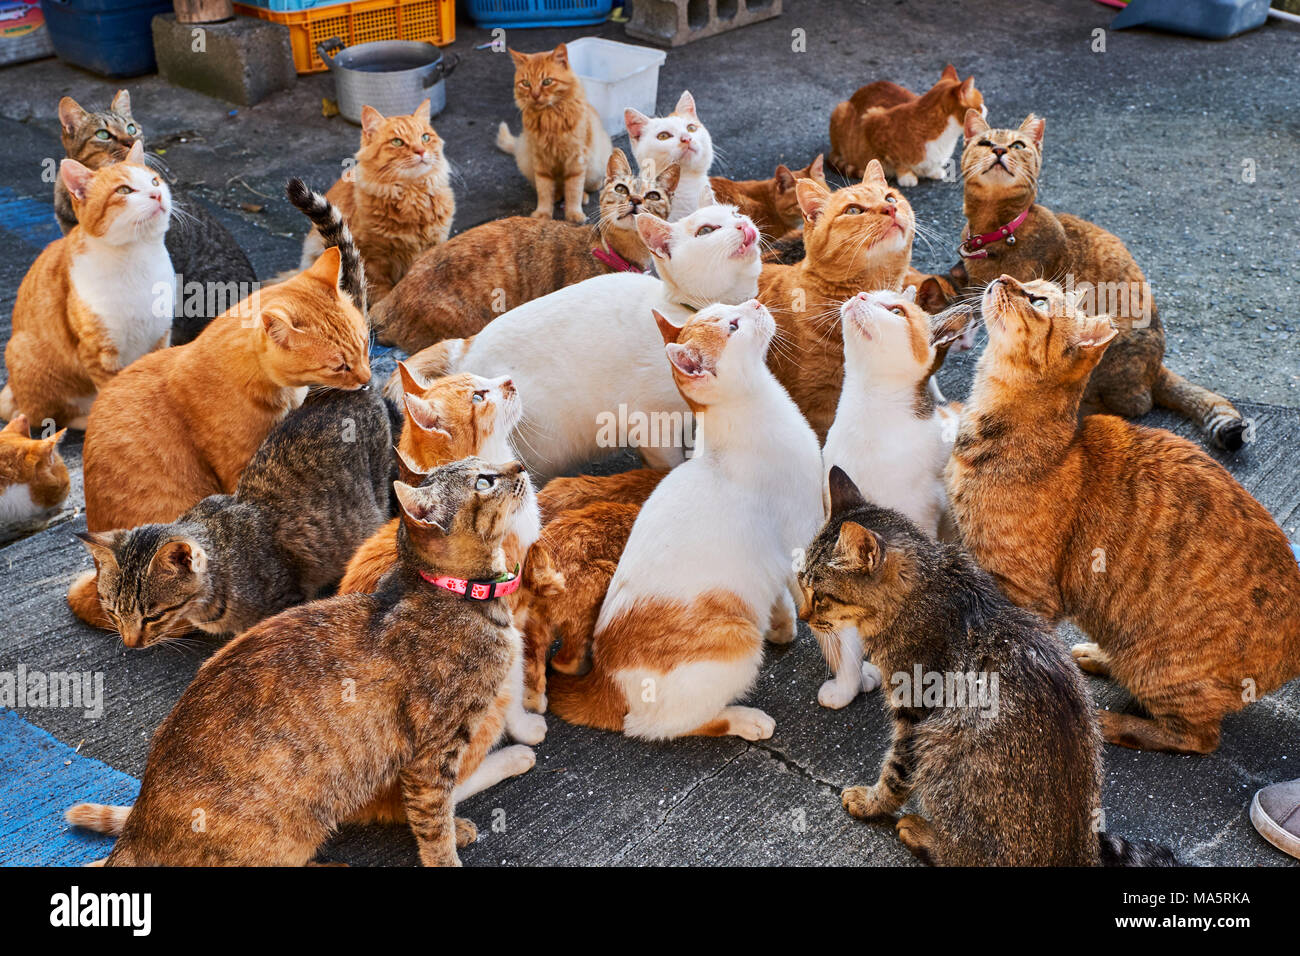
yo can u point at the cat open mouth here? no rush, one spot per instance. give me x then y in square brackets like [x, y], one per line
[749, 236]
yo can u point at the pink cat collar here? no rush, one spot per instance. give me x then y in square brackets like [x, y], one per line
[475, 590]
[615, 261]
[997, 235]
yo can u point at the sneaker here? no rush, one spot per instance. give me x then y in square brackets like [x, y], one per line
[1275, 811]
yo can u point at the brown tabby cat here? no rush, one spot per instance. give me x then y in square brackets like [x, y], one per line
[859, 239]
[1000, 168]
[455, 289]
[33, 479]
[397, 199]
[770, 203]
[562, 140]
[1184, 581]
[355, 693]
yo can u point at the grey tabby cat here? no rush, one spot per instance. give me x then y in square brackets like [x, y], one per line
[316, 489]
[202, 250]
[998, 742]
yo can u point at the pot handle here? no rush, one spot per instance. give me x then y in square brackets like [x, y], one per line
[326, 47]
[445, 67]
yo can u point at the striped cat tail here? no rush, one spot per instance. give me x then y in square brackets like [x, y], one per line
[100, 817]
[1116, 851]
[333, 229]
[592, 700]
[1213, 413]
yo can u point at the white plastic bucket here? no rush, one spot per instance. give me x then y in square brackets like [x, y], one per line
[615, 76]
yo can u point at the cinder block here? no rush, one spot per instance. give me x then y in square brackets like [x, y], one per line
[674, 22]
[243, 60]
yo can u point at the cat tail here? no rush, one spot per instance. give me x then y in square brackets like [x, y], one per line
[505, 139]
[333, 229]
[1213, 413]
[100, 817]
[1116, 851]
[592, 700]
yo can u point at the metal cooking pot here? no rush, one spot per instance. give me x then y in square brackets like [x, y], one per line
[392, 76]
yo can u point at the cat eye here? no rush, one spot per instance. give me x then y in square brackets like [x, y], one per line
[397, 142]
[621, 189]
[154, 181]
[124, 190]
[691, 127]
[525, 83]
[853, 210]
[664, 135]
[101, 134]
[342, 367]
[985, 142]
[130, 128]
[705, 230]
[477, 397]
[425, 138]
[653, 194]
[897, 310]
[1039, 303]
[891, 198]
[484, 483]
[547, 82]
[1017, 145]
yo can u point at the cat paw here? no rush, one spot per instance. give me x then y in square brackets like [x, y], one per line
[541, 214]
[527, 728]
[782, 633]
[836, 695]
[575, 215]
[871, 677]
[516, 760]
[1091, 659]
[907, 179]
[750, 723]
[535, 701]
[466, 832]
[863, 803]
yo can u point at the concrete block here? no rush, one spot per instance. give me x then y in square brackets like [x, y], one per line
[674, 22]
[243, 60]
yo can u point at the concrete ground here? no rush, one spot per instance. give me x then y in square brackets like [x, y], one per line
[1150, 139]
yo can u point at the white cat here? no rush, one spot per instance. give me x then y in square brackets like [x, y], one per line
[587, 359]
[681, 138]
[708, 571]
[889, 434]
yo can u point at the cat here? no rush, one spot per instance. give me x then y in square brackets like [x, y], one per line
[1185, 585]
[290, 728]
[993, 733]
[578, 491]
[181, 424]
[397, 198]
[455, 289]
[317, 487]
[96, 300]
[202, 251]
[602, 327]
[912, 136]
[859, 239]
[680, 138]
[562, 140]
[769, 203]
[890, 436]
[1000, 169]
[34, 480]
[707, 573]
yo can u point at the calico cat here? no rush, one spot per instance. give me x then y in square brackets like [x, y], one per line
[890, 436]
[603, 327]
[706, 575]
[201, 249]
[96, 300]
[355, 693]
[181, 424]
[397, 199]
[562, 140]
[769, 203]
[578, 491]
[1003, 755]
[1184, 583]
[455, 289]
[317, 487]
[1000, 169]
[859, 239]
[912, 136]
[33, 479]
[679, 138]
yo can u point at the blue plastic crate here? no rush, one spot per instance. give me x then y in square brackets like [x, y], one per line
[538, 13]
[108, 37]
[290, 6]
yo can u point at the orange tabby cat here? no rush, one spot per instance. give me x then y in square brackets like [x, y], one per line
[858, 239]
[769, 203]
[33, 479]
[95, 300]
[397, 199]
[625, 487]
[562, 140]
[1183, 581]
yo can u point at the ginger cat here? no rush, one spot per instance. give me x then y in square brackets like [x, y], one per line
[859, 239]
[578, 491]
[912, 136]
[1001, 168]
[397, 199]
[1185, 584]
[770, 203]
[95, 300]
[707, 573]
[33, 479]
[457, 288]
[290, 728]
[562, 140]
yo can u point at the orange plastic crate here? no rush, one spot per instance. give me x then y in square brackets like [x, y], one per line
[433, 21]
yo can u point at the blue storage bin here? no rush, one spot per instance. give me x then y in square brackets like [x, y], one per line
[538, 13]
[1212, 19]
[290, 6]
[108, 37]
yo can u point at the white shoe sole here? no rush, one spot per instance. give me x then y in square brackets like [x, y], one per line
[1288, 843]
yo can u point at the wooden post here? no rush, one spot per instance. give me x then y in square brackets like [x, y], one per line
[202, 11]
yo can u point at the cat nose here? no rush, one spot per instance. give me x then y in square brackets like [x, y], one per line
[999, 150]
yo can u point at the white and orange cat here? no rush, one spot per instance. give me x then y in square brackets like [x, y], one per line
[707, 574]
[95, 300]
[681, 138]
[33, 479]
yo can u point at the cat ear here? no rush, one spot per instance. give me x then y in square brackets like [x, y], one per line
[973, 125]
[136, 153]
[102, 545]
[70, 114]
[931, 295]
[424, 416]
[411, 382]
[561, 55]
[121, 102]
[685, 105]
[19, 426]
[1095, 334]
[419, 507]
[817, 170]
[858, 548]
[875, 173]
[370, 120]
[50, 447]
[541, 576]
[1035, 126]
[422, 111]
[669, 178]
[180, 556]
[687, 360]
[949, 73]
[326, 268]
[948, 326]
[812, 197]
[655, 233]
[279, 327]
[669, 331]
[519, 58]
[968, 86]
[784, 179]
[76, 177]
[844, 493]
[706, 196]
[635, 121]
[410, 471]
[910, 293]
[617, 164]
